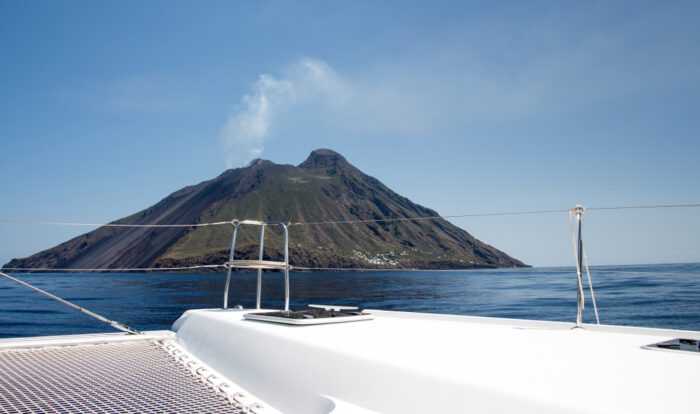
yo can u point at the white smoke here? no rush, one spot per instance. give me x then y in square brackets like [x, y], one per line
[306, 81]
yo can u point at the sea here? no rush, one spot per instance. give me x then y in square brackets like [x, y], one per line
[660, 296]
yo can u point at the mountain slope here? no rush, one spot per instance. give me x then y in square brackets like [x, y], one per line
[325, 187]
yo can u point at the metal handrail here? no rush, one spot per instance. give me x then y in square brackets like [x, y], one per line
[259, 264]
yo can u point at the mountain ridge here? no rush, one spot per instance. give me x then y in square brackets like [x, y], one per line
[324, 187]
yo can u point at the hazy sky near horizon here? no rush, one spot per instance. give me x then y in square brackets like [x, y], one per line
[464, 107]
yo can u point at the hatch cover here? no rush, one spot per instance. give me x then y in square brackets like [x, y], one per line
[313, 315]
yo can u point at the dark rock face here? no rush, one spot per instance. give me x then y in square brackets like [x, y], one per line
[323, 188]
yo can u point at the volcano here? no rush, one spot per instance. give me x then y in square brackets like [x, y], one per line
[323, 188]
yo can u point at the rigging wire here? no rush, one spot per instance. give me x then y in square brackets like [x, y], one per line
[510, 213]
[117, 325]
[66, 223]
[124, 328]
[309, 223]
[378, 269]
[600, 270]
[111, 270]
[590, 287]
[643, 207]
[222, 266]
[355, 221]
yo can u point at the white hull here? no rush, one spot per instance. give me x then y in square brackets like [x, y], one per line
[417, 363]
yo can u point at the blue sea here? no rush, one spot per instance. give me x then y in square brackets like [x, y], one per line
[663, 296]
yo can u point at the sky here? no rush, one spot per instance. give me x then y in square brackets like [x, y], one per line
[463, 107]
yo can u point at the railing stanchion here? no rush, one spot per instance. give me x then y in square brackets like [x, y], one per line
[235, 224]
[286, 266]
[576, 214]
[260, 271]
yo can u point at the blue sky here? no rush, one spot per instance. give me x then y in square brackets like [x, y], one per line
[106, 107]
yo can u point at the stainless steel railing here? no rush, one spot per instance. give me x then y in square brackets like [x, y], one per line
[259, 264]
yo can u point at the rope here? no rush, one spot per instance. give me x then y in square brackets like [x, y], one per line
[65, 223]
[590, 287]
[511, 213]
[376, 269]
[600, 269]
[384, 220]
[115, 270]
[114, 324]
[644, 207]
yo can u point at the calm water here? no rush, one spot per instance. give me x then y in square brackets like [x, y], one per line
[665, 296]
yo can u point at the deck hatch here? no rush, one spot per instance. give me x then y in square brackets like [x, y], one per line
[313, 315]
[678, 344]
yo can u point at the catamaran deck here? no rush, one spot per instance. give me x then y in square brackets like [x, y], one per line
[217, 361]
[418, 363]
[107, 374]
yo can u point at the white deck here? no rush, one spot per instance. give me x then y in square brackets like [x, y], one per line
[419, 363]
